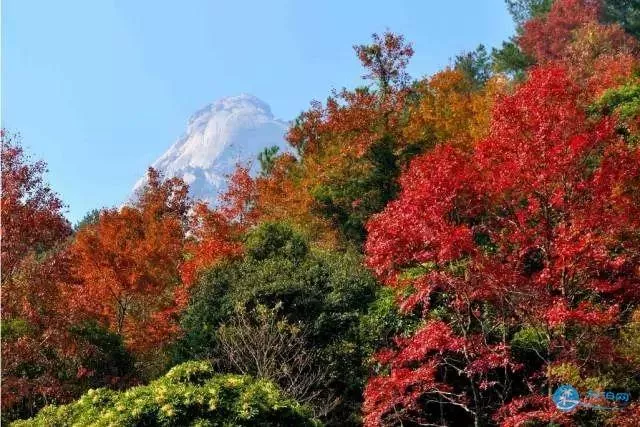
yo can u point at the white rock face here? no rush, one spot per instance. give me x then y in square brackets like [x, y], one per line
[228, 132]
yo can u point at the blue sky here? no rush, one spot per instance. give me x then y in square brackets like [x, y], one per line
[99, 89]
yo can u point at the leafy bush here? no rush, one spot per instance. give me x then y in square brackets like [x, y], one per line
[623, 100]
[276, 240]
[383, 321]
[190, 394]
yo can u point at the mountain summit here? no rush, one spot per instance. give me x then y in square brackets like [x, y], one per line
[230, 131]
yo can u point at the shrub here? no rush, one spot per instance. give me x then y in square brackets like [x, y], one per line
[190, 394]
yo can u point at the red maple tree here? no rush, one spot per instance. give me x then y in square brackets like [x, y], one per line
[33, 232]
[32, 218]
[546, 37]
[522, 258]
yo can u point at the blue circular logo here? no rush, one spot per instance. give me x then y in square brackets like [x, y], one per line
[566, 397]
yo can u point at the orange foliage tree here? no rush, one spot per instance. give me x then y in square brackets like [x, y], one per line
[349, 150]
[451, 109]
[213, 238]
[285, 195]
[601, 57]
[128, 265]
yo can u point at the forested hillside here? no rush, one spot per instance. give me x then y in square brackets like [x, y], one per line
[445, 250]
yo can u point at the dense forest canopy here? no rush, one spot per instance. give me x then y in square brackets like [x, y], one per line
[442, 251]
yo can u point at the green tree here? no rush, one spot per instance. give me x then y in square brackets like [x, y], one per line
[475, 65]
[89, 218]
[267, 158]
[523, 10]
[509, 58]
[624, 12]
[323, 293]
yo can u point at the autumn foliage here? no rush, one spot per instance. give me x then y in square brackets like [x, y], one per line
[32, 212]
[127, 265]
[534, 233]
[450, 109]
[598, 54]
[498, 211]
[214, 238]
